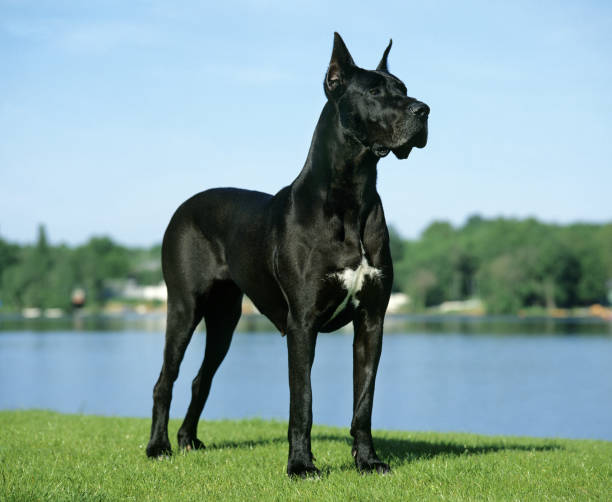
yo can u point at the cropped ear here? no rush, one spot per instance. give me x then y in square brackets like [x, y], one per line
[340, 68]
[382, 66]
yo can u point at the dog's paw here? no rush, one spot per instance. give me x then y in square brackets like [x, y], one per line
[189, 444]
[375, 465]
[302, 469]
[156, 449]
[369, 462]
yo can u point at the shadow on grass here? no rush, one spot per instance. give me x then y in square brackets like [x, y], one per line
[405, 450]
[402, 450]
[247, 443]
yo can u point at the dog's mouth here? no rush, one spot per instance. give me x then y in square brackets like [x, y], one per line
[419, 140]
[380, 150]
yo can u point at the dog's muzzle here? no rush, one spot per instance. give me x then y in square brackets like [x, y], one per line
[418, 115]
[420, 110]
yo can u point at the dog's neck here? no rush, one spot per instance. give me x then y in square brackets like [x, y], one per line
[339, 169]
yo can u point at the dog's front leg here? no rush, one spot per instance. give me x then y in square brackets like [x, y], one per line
[367, 347]
[301, 345]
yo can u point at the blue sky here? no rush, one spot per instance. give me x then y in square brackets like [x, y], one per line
[112, 112]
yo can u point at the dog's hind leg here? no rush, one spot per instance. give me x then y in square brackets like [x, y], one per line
[184, 314]
[221, 313]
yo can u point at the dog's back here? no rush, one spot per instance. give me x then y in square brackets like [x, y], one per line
[224, 235]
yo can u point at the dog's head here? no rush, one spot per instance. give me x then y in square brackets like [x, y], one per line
[374, 106]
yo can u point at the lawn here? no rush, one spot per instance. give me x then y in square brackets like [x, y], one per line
[50, 456]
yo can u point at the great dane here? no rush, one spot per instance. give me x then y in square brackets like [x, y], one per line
[312, 258]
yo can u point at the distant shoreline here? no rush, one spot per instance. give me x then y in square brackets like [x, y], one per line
[154, 321]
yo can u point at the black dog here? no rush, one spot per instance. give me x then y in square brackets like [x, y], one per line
[311, 258]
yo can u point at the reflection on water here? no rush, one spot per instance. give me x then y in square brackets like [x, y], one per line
[434, 377]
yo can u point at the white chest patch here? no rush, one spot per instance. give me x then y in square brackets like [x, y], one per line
[352, 281]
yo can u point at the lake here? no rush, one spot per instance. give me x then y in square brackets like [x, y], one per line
[534, 378]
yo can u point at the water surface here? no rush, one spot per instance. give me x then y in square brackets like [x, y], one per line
[524, 384]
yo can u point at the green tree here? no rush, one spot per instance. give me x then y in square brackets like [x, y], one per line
[96, 262]
[9, 256]
[26, 283]
[501, 282]
[421, 288]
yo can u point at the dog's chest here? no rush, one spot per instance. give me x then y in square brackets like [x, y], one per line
[352, 281]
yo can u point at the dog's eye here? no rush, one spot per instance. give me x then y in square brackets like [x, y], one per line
[374, 91]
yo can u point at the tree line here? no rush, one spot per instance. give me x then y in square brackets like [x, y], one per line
[46, 276]
[509, 264]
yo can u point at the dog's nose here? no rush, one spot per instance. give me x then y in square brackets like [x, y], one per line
[419, 109]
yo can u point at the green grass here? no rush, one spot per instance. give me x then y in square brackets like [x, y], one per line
[50, 456]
